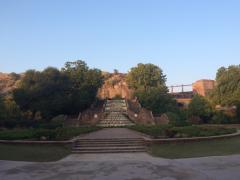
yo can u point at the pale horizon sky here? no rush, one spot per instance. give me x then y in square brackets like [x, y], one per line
[188, 39]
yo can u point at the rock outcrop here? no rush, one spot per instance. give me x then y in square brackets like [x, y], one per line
[115, 85]
[8, 82]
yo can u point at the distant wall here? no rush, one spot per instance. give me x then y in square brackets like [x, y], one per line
[203, 87]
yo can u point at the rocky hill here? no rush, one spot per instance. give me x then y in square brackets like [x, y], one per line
[8, 82]
[115, 85]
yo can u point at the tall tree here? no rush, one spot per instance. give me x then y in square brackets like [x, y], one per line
[227, 91]
[157, 100]
[149, 84]
[200, 107]
[145, 76]
[85, 83]
[45, 91]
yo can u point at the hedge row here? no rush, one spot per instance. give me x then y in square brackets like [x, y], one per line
[181, 132]
[45, 134]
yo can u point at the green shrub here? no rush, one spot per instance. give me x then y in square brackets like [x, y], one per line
[220, 118]
[56, 122]
[201, 131]
[153, 130]
[178, 118]
[180, 132]
[200, 107]
[16, 134]
[44, 134]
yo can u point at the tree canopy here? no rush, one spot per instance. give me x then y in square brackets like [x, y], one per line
[200, 107]
[146, 76]
[227, 91]
[84, 84]
[156, 100]
[149, 84]
[46, 92]
[53, 92]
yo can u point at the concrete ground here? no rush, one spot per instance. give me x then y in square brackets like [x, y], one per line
[135, 166]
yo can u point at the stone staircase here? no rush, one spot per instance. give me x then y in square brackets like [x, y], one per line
[115, 114]
[115, 145]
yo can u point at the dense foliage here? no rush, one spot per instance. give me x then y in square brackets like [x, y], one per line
[52, 92]
[45, 134]
[146, 76]
[10, 113]
[45, 92]
[2, 108]
[157, 100]
[200, 107]
[84, 85]
[227, 91]
[149, 84]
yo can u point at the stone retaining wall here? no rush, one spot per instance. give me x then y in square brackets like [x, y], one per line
[150, 141]
[138, 114]
[147, 139]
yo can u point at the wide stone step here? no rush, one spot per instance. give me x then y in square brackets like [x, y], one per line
[109, 144]
[115, 122]
[80, 146]
[118, 148]
[114, 125]
[109, 147]
[109, 124]
[109, 139]
[115, 117]
[108, 151]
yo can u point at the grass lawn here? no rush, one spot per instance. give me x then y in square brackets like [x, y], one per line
[197, 149]
[37, 153]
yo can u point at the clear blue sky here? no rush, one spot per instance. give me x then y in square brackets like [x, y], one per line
[188, 39]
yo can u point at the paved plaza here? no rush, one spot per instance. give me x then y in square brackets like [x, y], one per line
[135, 166]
